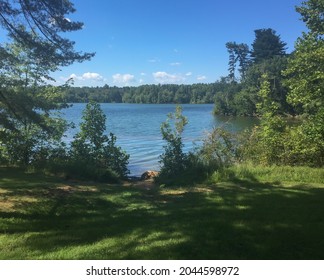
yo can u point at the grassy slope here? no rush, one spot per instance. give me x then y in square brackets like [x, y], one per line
[247, 218]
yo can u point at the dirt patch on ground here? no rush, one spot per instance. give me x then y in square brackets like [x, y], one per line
[141, 184]
[7, 205]
[64, 190]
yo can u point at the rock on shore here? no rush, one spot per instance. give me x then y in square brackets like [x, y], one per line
[149, 174]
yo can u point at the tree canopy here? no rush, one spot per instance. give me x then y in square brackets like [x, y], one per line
[267, 44]
[305, 73]
[33, 50]
[276, 140]
[237, 53]
[312, 12]
[35, 47]
[37, 25]
[267, 56]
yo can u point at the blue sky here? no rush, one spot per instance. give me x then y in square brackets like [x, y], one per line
[170, 41]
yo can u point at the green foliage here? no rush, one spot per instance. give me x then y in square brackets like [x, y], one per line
[269, 58]
[267, 44]
[173, 161]
[299, 143]
[305, 74]
[305, 79]
[265, 145]
[237, 53]
[224, 101]
[218, 150]
[29, 135]
[149, 94]
[30, 128]
[312, 12]
[96, 151]
[23, 96]
[281, 142]
[38, 26]
[29, 132]
[31, 145]
[273, 68]
[304, 143]
[35, 50]
[244, 102]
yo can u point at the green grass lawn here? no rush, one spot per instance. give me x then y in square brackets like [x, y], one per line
[245, 218]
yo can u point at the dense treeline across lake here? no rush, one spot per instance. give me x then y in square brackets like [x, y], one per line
[148, 94]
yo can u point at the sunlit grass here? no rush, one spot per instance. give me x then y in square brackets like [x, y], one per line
[246, 217]
[300, 174]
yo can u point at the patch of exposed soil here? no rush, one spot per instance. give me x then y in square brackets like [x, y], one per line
[141, 184]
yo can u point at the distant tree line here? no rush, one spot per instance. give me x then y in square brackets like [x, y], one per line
[153, 94]
[235, 94]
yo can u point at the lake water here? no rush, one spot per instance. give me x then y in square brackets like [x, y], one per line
[137, 128]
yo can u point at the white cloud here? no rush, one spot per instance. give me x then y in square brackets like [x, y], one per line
[87, 76]
[165, 78]
[201, 78]
[73, 76]
[123, 78]
[188, 74]
[175, 63]
[92, 76]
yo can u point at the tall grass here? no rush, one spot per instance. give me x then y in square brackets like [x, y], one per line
[271, 174]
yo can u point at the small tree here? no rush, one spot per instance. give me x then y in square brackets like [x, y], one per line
[237, 53]
[173, 160]
[94, 150]
[265, 144]
[218, 150]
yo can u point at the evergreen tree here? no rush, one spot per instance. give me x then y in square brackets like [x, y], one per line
[237, 53]
[37, 49]
[38, 25]
[267, 44]
[27, 125]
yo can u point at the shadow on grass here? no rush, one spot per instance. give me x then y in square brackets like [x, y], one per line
[42, 218]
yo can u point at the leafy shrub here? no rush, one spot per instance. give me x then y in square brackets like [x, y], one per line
[218, 150]
[173, 161]
[278, 142]
[94, 154]
[31, 144]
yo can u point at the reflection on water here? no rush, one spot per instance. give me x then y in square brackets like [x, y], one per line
[236, 124]
[137, 127]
